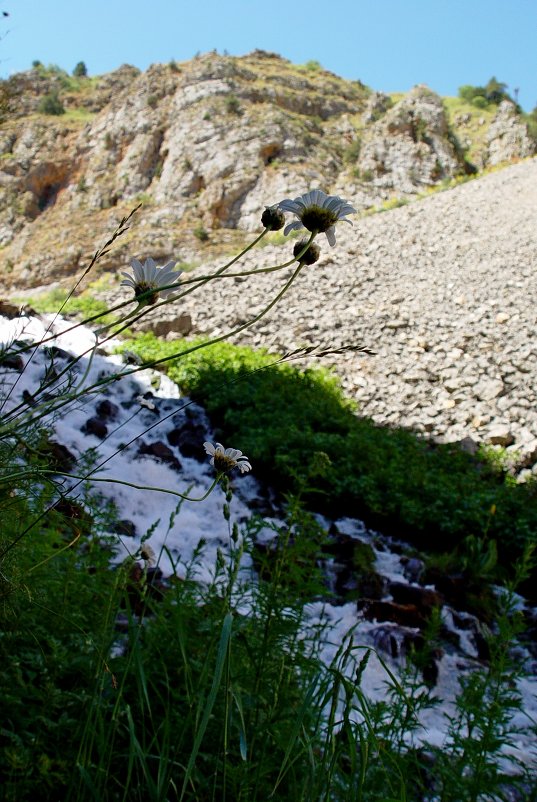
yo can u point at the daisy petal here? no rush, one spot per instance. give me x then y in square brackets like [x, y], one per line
[292, 227]
[331, 235]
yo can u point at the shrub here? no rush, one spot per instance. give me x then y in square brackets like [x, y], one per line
[201, 233]
[351, 154]
[480, 102]
[51, 104]
[232, 105]
[313, 66]
[80, 70]
[366, 175]
[531, 123]
[495, 91]
[469, 92]
[481, 96]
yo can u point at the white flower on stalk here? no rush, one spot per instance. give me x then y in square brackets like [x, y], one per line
[148, 555]
[150, 277]
[224, 459]
[318, 212]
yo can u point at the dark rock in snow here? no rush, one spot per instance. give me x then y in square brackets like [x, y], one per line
[75, 515]
[423, 598]
[189, 438]
[107, 410]
[59, 457]
[406, 615]
[160, 451]
[96, 427]
[12, 362]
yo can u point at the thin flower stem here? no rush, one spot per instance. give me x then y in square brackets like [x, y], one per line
[153, 363]
[242, 253]
[90, 478]
[135, 315]
[107, 480]
[121, 229]
[55, 554]
[200, 281]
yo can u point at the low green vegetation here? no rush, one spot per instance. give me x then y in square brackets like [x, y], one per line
[118, 687]
[51, 104]
[531, 123]
[84, 305]
[201, 233]
[298, 428]
[232, 105]
[483, 96]
[311, 66]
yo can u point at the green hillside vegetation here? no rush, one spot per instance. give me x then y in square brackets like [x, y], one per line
[119, 684]
[116, 686]
[312, 441]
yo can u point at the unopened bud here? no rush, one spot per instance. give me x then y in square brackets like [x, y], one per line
[310, 256]
[273, 218]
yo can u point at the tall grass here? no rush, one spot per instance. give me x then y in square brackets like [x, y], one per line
[119, 685]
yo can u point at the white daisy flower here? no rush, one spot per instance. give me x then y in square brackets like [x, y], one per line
[318, 212]
[148, 555]
[150, 277]
[224, 459]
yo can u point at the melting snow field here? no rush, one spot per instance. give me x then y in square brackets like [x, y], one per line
[134, 419]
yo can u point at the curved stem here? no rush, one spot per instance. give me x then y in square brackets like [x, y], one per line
[91, 478]
[121, 229]
[136, 314]
[248, 323]
[153, 363]
[52, 556]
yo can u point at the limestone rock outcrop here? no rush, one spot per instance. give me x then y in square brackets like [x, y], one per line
[205, 145]
[411, 146]
[508, 137]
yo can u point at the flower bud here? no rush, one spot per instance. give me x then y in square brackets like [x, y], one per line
[310, 256]
[273, 218]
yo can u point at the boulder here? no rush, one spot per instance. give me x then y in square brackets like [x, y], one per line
[161, 452]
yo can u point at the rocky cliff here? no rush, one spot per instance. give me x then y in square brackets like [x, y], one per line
[205, 145]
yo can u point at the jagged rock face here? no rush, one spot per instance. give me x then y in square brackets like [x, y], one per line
[28, 88]
[377, 105]
[205, 145]
[410, 146]
[508, 137]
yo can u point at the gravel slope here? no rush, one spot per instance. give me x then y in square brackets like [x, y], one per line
[442, 289]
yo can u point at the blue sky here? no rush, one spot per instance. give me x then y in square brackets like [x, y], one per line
[388, 44]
